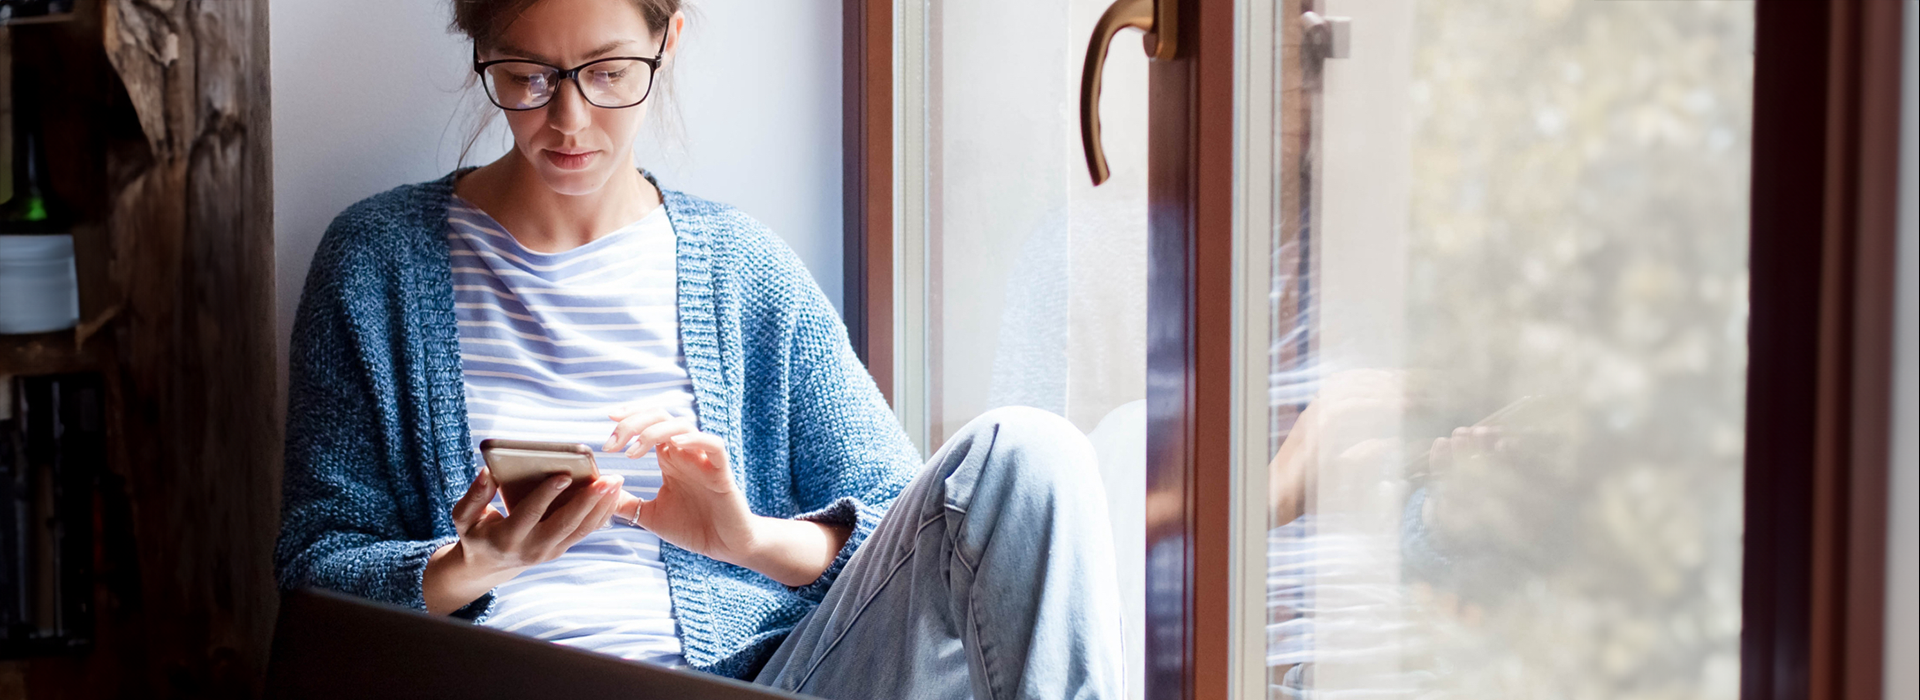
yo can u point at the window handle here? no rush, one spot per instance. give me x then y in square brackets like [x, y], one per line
[1157, 19]
[1328, 36]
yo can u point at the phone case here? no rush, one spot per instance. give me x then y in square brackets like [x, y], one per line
[519, 466]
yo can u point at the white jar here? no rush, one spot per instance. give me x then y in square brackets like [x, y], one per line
[38, 292]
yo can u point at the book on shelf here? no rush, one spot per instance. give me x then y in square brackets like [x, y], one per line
[52, 452]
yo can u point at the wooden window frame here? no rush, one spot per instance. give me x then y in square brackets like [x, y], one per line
[1826, 134]
[1190, 359]
[1824, 200]
[866, 110]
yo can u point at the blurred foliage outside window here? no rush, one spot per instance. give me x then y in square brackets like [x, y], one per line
[1575, 287]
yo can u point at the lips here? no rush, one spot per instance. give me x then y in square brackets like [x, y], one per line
[569, 160]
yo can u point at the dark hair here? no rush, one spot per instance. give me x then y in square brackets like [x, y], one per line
[484, 21]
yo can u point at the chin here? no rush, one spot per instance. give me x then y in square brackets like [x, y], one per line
[575, 182]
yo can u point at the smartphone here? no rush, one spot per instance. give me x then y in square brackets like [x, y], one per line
[1419, 467]
[520, 466]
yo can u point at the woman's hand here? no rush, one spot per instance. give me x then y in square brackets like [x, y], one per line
[700, 508]
[494, 547]
[1355, 415]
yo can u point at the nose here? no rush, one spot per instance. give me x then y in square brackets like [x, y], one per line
[568, 112]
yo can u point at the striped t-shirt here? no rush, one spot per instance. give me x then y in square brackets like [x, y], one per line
[549, 344]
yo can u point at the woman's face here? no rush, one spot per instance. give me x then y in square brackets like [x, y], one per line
[574, 146]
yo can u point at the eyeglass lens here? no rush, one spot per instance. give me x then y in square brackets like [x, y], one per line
[611, 83]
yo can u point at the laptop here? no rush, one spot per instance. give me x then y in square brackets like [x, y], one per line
[330, 646]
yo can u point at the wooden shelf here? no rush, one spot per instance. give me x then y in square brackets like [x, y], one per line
[47, 353]
[186, 245]
[38, 19]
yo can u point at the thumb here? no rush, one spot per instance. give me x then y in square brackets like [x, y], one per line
[474, 502]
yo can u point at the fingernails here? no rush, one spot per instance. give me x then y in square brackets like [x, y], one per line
[562, 484]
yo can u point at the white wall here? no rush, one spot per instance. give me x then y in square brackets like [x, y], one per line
[759, 91]
[368, 95]
[1902, 665]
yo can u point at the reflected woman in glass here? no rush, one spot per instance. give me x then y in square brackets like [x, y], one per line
[759, 512]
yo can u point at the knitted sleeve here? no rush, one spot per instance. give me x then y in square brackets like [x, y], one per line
[850, 457]
[349, 518]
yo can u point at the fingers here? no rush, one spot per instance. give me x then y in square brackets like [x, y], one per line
[555, 534]
[474, 503]
[694, 450]
[1470, 444]
[600, 515]
[1440, 459]
[532, 507]
[712, 445]
[657, 434]
[699, 457]
[631, 424]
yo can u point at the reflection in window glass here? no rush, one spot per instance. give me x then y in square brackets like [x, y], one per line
[1508, 364]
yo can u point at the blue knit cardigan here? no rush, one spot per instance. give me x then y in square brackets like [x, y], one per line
[378, 449]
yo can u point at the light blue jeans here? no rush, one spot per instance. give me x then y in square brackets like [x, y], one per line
[992, 577]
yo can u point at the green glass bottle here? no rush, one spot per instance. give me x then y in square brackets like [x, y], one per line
[33, 207]
[38, 289]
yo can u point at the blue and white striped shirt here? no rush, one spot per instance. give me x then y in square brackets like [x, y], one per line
[549, 344]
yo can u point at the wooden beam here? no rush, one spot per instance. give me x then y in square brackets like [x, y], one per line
[1190, 160]
[1825, 134]
[190, 501]
[867, 145]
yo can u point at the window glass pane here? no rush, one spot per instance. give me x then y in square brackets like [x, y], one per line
[1507, 361]
[1039, 292]
[1034, 279]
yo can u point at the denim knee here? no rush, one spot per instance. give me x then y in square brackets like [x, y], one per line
[1039, 452]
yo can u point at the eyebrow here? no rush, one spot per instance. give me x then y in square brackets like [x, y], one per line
[602, 50]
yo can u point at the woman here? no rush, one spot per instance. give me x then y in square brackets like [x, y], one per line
[786, 531]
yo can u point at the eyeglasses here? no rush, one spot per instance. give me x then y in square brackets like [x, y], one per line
[518, 85]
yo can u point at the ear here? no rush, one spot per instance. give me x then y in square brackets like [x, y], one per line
[676, 29]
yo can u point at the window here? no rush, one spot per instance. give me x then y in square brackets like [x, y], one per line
[1506, 349]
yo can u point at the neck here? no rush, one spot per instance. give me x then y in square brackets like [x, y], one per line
[546, 221]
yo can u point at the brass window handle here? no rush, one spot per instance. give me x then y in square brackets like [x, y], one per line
[1157, 19]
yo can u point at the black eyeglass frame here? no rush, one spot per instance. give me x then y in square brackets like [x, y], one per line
[573, 74]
